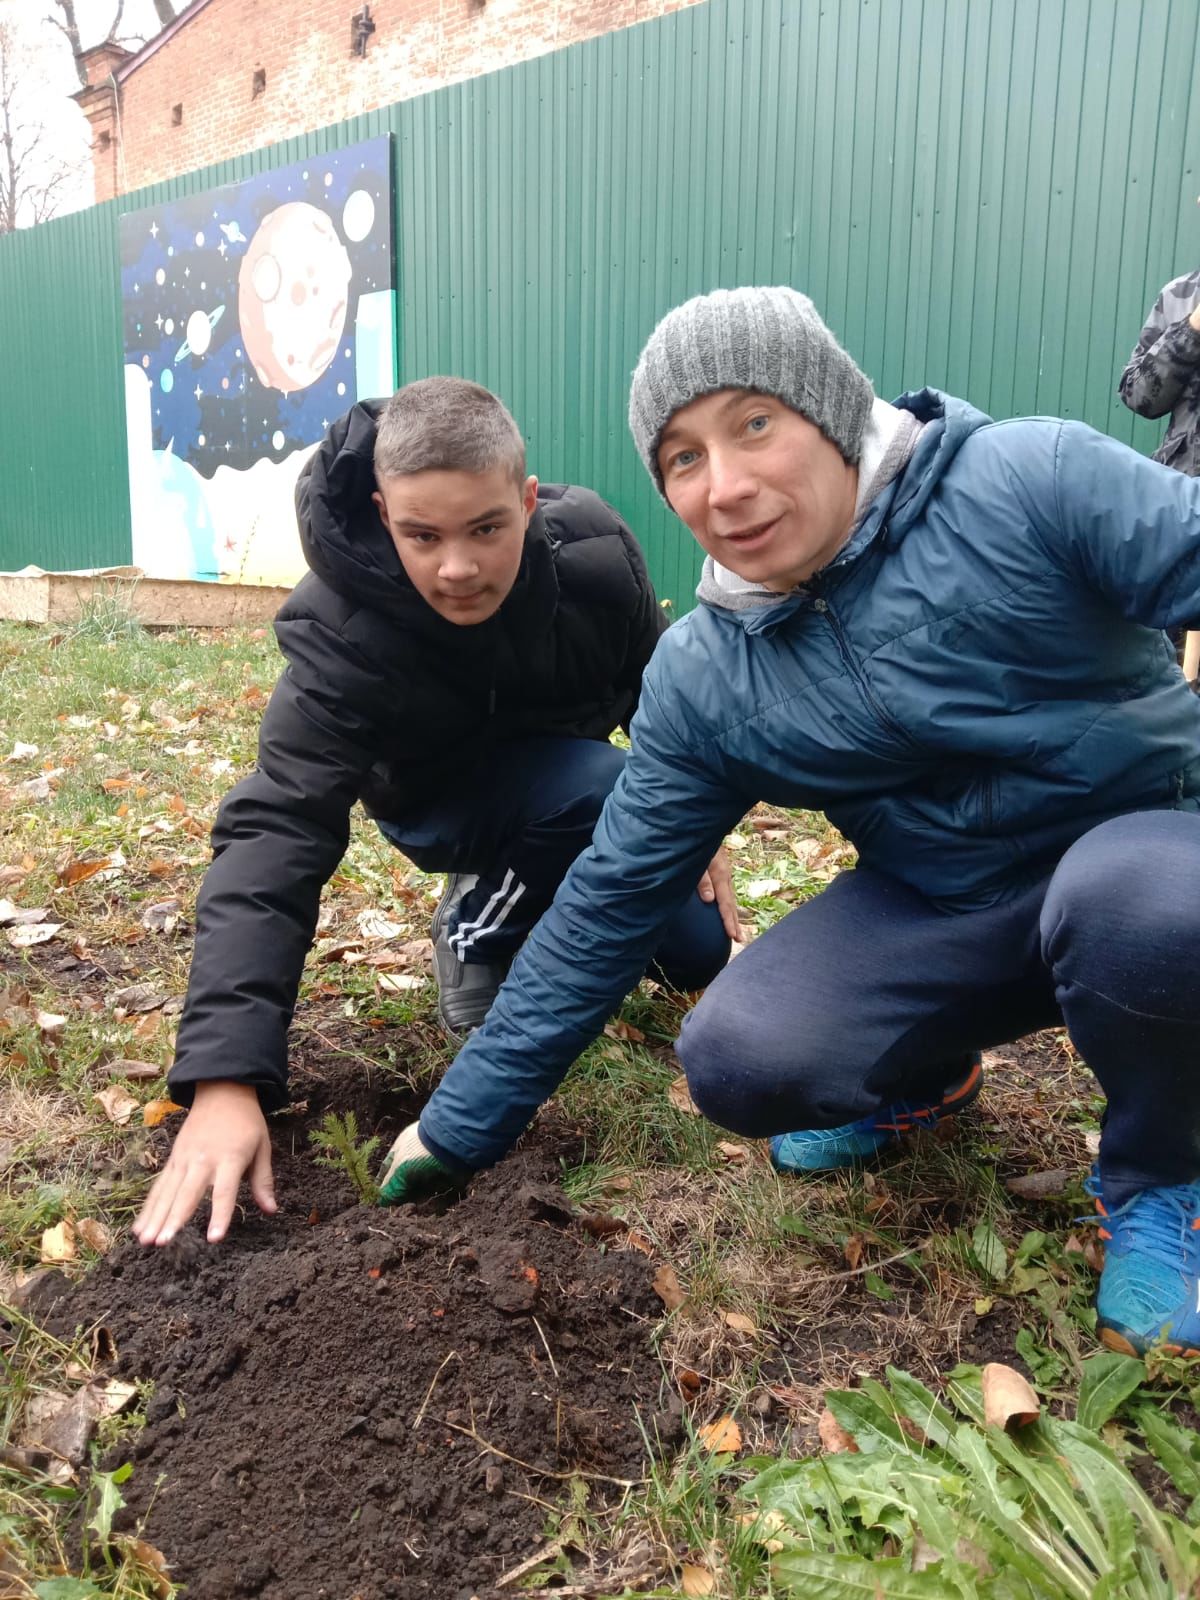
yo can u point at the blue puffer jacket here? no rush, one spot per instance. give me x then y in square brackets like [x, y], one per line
[979, 678]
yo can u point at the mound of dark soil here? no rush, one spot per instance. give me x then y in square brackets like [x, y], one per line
[338, 1390]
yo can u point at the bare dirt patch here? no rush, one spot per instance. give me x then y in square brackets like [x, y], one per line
[378, 1403]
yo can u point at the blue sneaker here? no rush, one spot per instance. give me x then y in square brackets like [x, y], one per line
[1149, 1294]
[820, 1149]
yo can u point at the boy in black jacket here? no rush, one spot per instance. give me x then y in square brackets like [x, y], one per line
[457, 657]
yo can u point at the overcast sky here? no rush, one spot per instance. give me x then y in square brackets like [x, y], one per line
[48, 76]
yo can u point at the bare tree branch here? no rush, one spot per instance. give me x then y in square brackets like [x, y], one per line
[32, 177]
[70, 26]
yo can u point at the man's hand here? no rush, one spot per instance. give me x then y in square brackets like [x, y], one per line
[717, 884]
[223, 1137]
[410, 1170]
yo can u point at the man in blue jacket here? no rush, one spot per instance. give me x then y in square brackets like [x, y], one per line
[947, 634]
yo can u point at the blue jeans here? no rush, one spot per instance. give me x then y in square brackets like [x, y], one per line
[518, 821]
[867, 995]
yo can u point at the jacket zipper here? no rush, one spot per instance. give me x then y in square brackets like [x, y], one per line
[821, 605]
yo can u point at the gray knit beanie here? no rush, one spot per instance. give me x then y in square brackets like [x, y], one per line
[770, 340]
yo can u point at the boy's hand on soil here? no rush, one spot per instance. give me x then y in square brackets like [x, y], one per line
[224, 1137]
[410, 1170]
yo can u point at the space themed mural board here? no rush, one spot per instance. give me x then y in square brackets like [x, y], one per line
[255, 314]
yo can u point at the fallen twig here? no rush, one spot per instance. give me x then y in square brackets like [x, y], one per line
[552, 1548]
[874, 1266]
[453, 1356]
[546, 1344]
[541, 1472]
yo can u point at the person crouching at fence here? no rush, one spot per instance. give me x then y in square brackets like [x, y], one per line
[947, 634]
[464, 645]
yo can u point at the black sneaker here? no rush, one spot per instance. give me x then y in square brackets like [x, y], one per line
[466, 989]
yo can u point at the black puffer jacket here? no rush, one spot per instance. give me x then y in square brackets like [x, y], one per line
[386, 702]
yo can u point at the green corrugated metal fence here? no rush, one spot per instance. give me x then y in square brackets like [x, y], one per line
[983, 196]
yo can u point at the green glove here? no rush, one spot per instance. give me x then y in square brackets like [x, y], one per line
[410, 1170]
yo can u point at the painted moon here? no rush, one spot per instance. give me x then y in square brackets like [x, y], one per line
[292, 291]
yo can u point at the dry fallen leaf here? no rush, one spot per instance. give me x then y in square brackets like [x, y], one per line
[375, 925]
[696, 1580]
[136, 1070]
[149, 1561]
[50, 1024]
[94, 1234]
[620, 1029]
[112, 1396]
[681, 1098]
[640, 1243]
[1007, 1397]
[602, 1224]
[119, 1105]
[58, 1243]
[61, 1423]
[400, 982]
[833, 1436]
[690, 1382]
[1038, 1185]
[31, 933]
[735, 1154]
[161, 917]
[759, 888]
[722, 1437]
[156, 1111]
[739, 1322]
[853, 1250]
[667, 1286]
[762, 1526]
[137, 997]
[78, 870]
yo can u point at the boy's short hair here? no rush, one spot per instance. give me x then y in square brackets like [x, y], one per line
[446, 425]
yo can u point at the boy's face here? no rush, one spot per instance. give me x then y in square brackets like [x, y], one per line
[762, 489]
[459, 536]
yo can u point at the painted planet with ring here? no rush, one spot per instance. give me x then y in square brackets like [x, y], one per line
[199, 334]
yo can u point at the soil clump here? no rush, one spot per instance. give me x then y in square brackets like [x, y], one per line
[351, 1402]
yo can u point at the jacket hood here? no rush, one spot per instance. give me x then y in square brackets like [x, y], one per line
[946, 425]
[347, 546]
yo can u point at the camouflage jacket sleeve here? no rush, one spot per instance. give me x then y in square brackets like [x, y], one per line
[1167, 357]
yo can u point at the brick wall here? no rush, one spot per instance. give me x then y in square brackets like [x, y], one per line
[193, 100]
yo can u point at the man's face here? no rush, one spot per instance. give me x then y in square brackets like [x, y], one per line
[459, 536]
[762, 489]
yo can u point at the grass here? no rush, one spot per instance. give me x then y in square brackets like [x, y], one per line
[116, 746]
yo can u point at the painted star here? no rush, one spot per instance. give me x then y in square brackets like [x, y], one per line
[159, 321]
[222, 247]
[230, 544]
[197, 391]
[154, 230]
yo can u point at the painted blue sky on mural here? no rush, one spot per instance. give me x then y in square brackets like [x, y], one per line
[257, 310]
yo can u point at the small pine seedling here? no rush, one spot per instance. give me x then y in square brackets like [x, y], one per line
[337, 1139]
